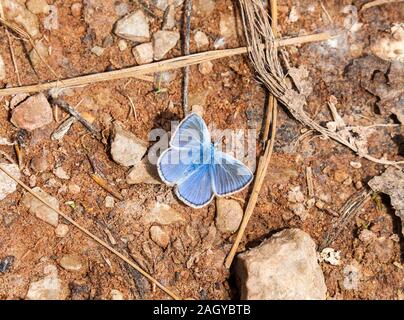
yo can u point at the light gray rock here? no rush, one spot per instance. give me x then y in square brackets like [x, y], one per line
[8, 185]
[229, 215]
[2, 69]
[62, 230]
[143, 53]
[47, 288]
[143, 172]
[391, 182]
[205, 67]
[283, 267]
[163, 4]
[201, 40]
[71, 262]
[126, 148]
[134, 27]
[39, 209]
[169, 18]
[162, 213]
[37, 6]
[33, 113]
[159, 236]
[163, 42]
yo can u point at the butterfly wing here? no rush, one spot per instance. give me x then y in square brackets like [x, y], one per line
[196, 190]
[191, 133]
[229, 175]
[175, 165]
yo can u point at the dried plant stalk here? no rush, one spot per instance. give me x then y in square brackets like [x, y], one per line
[141, 72]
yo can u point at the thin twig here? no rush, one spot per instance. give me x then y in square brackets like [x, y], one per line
[160, 66]
[187, 37]
[104, 184]
[378, 3]
[264, 160]
[346, 214]
[66, 107]
[92, 236]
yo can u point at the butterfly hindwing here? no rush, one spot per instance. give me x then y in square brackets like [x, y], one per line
[229, 175]
[196, 190]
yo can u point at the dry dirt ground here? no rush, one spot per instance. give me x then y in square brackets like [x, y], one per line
[231, 97]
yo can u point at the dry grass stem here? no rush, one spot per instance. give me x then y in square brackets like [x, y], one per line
[346, 214]
[142, 71]
[378, 3]
[106, 186]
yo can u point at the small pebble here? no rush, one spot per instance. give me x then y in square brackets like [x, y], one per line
[295, 195]
[74, 188]
[320, 204]
[229, 214]
[61, 230]
[205, 67]
[71, 262]
[201, 39]
[61, 173]
[2, 69]
[76, 9]
[163, 42]
[340, 176]
[356, 165]
[122, 45]
[109, 202]
[159, 236]
[116, 295]
[143, 53]
[358, 185]
[98, 51]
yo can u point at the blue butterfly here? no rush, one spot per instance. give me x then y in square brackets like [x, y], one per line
[196, 169]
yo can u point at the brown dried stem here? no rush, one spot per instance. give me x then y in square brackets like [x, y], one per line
[141, 71]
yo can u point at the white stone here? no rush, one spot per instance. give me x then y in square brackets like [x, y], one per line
[134, 27]
[71, 262]
[169, 18]
[8, 185]
[163, 42]
[229, 215]
[205, 67]
[122, 45]
[293, 15]
[39, 209]
[109, 202]
[62, 230]
[126, 148]
[159, 236]
[48, 288]
[201, 40]
[61, 173]
[331, 256]
[143, 53]
[163, 214]
[283, 267]
[98, 51]
[116, 295]
[143, 172]
[163, 4]
[2, 69]
[295, 195]
[37, 6]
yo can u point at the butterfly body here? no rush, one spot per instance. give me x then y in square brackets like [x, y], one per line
[196, 169]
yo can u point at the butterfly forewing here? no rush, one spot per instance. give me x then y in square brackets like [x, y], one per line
[191, 133]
